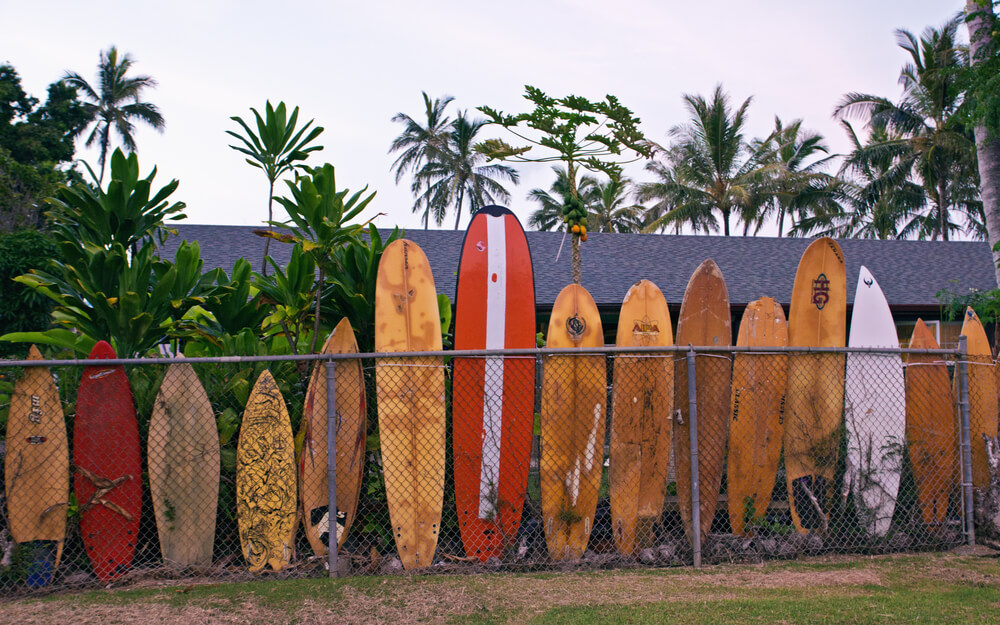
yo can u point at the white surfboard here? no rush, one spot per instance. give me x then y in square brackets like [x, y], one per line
[874, 410]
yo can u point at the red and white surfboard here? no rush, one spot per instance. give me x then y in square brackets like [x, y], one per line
[493, 398]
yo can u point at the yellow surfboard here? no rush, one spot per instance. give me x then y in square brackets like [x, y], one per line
[37, 463]
[814, 404]
[705, 320]
[757, 424]
[574, 402]
[411, 402]
[982, 395]
[642, 402]
[265, 479]
[183, 459]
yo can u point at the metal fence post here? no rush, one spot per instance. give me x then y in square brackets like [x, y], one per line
[331, 468]
[693, 436]
[966, 455]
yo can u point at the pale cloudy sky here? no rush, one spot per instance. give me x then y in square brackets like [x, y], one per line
[351, 66]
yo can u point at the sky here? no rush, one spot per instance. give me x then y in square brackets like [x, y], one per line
[352, 65]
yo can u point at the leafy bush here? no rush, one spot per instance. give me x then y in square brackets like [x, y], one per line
[22, 309]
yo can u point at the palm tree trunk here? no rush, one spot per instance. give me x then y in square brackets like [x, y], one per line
[458, 206]
[270, 218]
[105, 141]
[987, 148]
[725, 222]
[943, 210]
[781, 219]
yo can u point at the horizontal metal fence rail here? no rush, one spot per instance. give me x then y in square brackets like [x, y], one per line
[479, 460]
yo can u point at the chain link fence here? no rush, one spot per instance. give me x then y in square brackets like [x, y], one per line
[471, 461]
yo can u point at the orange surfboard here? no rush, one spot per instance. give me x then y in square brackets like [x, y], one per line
[982, 395]
[757, 425]
[493, 399]
[642, 402]
[574, 403]
[814, 404]
[705, 320]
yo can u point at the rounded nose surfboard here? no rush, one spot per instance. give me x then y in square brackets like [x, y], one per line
[183, 460]
[930, 427]
[574, 402]
[107, 465]
[982, 395]
[874, 409]
[266, 503]
[642, 402]
[314, 480]
[757, 424]
[814, 404]
[411, 403]
[493, 398]
[36, 467]
[705, 320]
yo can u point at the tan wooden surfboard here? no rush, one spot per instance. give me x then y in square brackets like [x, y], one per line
[757, 422]
[411, 402]
[931, 426]
[814, 404]
[982, 395]
[574, 403]
[266, 491]
[37, 462]
[642, 402]
[183, 460]
[705, 320]
[313, 476]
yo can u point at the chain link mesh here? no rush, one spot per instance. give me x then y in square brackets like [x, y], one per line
[456, 463]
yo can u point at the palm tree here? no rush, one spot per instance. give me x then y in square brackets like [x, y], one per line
[456, 172]
[420, 143]
[549, 216]
[608, 207]
[710, 169]
[115, 103]
[926, 136]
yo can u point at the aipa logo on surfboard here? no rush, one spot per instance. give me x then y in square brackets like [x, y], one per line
[646, 326]
[576, 326]
[821, 291]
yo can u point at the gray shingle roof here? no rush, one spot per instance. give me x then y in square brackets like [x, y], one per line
[909, 272]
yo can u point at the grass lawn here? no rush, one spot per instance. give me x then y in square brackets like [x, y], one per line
[919, 589]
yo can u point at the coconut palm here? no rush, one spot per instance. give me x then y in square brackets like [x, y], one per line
[709, 170]
[926, 136]
[115, 103]
[456, 172]
[608, 207]
[418, 143]
[549, 215]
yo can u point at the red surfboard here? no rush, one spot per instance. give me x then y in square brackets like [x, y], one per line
[493, 399]
[107, 467]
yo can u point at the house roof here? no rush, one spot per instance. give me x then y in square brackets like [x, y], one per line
[911, 273]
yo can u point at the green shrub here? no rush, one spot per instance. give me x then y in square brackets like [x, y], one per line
[22, 309]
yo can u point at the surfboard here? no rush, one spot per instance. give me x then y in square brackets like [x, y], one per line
[266, 504]
[411, 402]
[642, 403]
[574, 404]
[705, 320]
[314, 479]
[931, 426]
[107, 465]
[757, 409]
[874, 409]
[36, 467]
[814, 401]
[982, 395]
[493, 398]
[183, 460]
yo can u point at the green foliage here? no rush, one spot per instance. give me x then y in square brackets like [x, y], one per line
[982, 104]
[22, 309]
[289, 292]
[276, 147]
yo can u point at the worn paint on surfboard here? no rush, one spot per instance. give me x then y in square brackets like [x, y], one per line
[931, 426]
[982, 395]
[107, 466]
[411, 402]
[814, 401]
[314, 478]
[183, 460]
[757, 405]
[493, 398]
[36, 466]
[704, 320]
[642, 403]
[266, 491]
[874, 409]
[574, 404]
